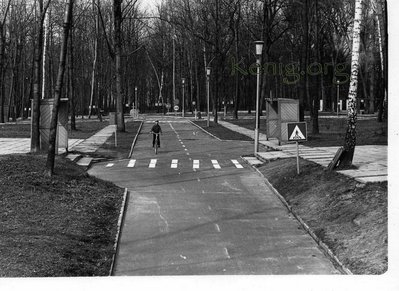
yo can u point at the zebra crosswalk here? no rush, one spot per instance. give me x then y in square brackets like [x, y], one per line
[175, 163]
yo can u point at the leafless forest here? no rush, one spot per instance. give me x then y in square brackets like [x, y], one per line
[122, 51]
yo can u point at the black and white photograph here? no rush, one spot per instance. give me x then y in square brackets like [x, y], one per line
[198, 144]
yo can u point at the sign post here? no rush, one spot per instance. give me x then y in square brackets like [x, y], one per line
[116, 138]
[297, 131]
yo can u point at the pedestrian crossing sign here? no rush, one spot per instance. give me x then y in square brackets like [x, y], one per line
[297, 131]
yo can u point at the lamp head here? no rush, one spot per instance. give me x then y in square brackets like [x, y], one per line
[259, 47]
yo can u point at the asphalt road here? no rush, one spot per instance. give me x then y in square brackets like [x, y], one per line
[196, 208]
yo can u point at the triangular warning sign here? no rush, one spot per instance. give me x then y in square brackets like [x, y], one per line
[297, 134]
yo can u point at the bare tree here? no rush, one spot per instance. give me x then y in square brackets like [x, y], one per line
[37, 73]
[95, 59]
[350, 138]
[58, 87]
[4, 12]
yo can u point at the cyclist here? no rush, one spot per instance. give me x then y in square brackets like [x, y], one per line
[156, 129]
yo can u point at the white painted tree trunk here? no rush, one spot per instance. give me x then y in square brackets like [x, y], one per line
[377, 11]
[350, 138]
[45, 44]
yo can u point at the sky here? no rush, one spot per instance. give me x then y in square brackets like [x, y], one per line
[149, 4]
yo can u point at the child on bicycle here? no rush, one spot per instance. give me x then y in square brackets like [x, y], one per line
[156, 129]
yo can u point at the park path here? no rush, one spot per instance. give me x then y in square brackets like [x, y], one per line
[196, 208]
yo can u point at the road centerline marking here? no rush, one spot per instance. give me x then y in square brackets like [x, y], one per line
[227, 253]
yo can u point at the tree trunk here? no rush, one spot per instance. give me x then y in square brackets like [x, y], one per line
[118, 66]
[371, 104]
[306, 95]
[35, 138]
[2, 73]
[71, 82]
[94, 68]
[350, 138]
[58, 88]
[46, 30]
[378, 12]
[2, 60]
[316, 99]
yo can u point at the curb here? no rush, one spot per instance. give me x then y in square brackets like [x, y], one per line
[207, 132]
[119, 231]
[319, 242]
[135, 140]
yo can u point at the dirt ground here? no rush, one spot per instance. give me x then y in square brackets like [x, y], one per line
[351, 218]
[64, 226]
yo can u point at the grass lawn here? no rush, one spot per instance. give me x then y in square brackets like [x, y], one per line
[351, 218]
[64, 226]
[124, 142]
[222, 132]
[332, 131]
[85, 129]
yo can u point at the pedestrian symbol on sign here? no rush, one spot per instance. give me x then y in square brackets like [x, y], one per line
[297, 131]
[297, 134]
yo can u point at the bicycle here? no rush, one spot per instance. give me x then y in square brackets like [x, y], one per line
[156, 145]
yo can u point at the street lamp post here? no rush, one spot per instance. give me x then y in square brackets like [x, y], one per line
[183, 81]
[208, 74]
[259, 48]
[337, 97]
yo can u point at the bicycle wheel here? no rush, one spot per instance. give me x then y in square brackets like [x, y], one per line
[156, 146]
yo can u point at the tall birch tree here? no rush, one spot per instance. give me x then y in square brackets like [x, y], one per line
[350, 137]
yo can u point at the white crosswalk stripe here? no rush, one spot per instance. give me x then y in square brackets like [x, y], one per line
[216, 164]
[173, 165]
[237, 164]
[153, 163]
[131, 164]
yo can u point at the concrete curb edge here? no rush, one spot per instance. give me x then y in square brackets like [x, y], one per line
[319, 242]
[207, 132]
[119, 230]
[135, 139]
